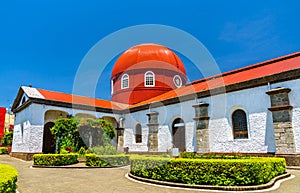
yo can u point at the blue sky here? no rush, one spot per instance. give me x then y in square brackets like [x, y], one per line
[43, 42]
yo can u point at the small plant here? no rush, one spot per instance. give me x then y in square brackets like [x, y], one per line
[81, 151]
[3, 150]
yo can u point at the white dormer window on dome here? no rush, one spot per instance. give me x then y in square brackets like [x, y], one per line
[125, 81]
[149, 79]
[112, 86]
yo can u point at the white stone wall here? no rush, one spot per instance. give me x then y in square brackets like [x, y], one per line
[190, 137]
[296, 126]
[164, 138]
[255, 103]
[129, 140]
[28, 131]
[166, 116]
[221, 136]
[294, 97]
[27, 138]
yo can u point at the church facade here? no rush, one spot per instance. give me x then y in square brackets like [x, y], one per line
[255, 109]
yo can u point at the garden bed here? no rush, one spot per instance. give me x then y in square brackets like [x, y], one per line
[215, 172]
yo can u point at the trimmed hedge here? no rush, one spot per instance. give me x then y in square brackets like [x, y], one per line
[8, 179]
[106, 160]
[219, 172]
[193, 155]
[3, 150]
[54, 159]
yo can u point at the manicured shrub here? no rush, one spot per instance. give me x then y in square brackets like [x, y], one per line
[104, 150]
[106, 160]
[3, 150]
[8, 179]
[220, 172]
[193, 155]
[54, 159]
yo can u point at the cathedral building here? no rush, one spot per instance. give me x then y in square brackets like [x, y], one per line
[255, 109]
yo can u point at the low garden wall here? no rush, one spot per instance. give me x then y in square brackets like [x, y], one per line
[217, 172]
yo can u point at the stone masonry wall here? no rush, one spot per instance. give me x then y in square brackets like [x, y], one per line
[284, 137]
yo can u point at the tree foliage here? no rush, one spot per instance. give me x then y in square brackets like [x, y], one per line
[74, 133]
[7, 138]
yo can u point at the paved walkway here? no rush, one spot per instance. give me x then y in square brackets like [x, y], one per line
[104, 180]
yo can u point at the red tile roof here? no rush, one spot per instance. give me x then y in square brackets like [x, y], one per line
[81, 100]
[270, 67]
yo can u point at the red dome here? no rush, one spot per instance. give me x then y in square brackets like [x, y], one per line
[146, 52]
[146, 70]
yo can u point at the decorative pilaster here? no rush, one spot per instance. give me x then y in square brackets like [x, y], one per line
[202, 135]
[120, 135]
[153, 131]
[282, 120]
[120, 139]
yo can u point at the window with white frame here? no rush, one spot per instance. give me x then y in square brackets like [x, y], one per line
[149, 79]
[125, 81]
[112, 86]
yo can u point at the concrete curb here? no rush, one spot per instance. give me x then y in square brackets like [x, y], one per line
[293, 167]
[209, 187]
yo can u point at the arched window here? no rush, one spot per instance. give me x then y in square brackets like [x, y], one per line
[149, 79]
[138, 133]
[239, 123]
[125, 81]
